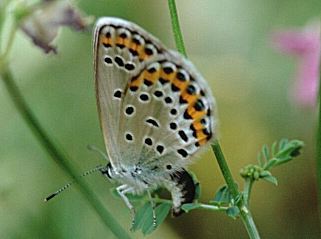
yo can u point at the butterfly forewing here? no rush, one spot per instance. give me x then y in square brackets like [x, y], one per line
[120, 50]
[156, 110]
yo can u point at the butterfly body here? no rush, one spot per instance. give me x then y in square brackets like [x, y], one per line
[156, 111]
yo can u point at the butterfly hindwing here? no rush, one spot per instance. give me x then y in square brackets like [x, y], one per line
[172, 116]
[156, 110]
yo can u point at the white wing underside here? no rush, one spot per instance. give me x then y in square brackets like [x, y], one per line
[138, 125]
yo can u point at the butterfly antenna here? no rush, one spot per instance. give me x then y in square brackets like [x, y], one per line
[95, 149]
[66, 186]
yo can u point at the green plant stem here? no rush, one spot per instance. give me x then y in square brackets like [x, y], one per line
[212, 207]
[247, 191]
[9, 45]
[48, 144]
[3, 9]
[225, 169]
[244, 212]
[176, 27]
[318, 149]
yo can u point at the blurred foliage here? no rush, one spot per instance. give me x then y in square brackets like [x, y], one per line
[229, 43]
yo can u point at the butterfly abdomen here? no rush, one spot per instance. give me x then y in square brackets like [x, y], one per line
[183, 190]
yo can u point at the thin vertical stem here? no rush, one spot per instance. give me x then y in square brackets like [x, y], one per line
[176, 27]
[244, 212]
[318, 149]
[225, 169]
[247, 191]
[61, 159]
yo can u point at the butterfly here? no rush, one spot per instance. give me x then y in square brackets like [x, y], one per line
[156, 112]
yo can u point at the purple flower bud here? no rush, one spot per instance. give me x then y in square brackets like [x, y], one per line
[43, 23]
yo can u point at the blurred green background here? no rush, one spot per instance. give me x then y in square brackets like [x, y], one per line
[228, 41]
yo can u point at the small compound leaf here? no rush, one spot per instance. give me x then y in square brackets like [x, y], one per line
[272, 162]
[265, 173]
[282, 143]
[143, 214]
[233, 212]
[271, 179]
[223, 195]
[259, 159]
[162, 210]
[265, 152]
[273, 148]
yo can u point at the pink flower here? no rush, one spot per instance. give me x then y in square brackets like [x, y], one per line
[303, 43]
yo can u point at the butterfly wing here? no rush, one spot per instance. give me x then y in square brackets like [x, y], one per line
[156, 110]
[120, 50]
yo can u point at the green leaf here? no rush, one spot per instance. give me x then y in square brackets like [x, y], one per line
[271, 179]
[286, 152]
[265, 152]
[144, 213]
[161, 211]
[144, 217]
[289, 151]
[190, 206]
[273, 148]
[272, 162]
[265, 173]
[259, 159]
[197, 186]
[233, 212]
[282, 143]
[223, 195]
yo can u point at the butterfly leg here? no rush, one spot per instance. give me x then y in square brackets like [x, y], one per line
[122, 190]
[153, 208]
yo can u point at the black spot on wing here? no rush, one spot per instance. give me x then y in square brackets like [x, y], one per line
[152, 122]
